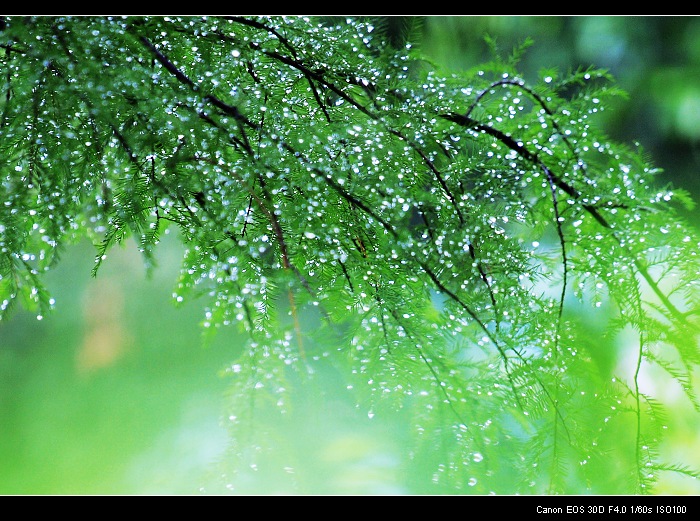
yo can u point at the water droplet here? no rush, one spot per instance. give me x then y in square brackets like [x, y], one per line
[477, 457]
[472, 482]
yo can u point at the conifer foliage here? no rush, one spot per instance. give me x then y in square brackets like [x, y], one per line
[429, 242]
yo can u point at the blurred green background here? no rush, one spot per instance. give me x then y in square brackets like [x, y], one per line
[655, 59]
[115, 393]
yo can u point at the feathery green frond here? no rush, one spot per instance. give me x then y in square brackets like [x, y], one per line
[420, 241]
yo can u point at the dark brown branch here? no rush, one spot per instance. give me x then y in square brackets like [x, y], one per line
[526, 154]
[487, 283]
[319, 78]
[227, 109]
[354, 201]
[569, 190]
[262, 26]
[169, 66]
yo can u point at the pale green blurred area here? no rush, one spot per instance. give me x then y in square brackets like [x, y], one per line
[115, 392]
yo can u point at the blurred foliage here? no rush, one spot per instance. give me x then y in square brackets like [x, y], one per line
[655, 59]
[112, 392]
[126, 405]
